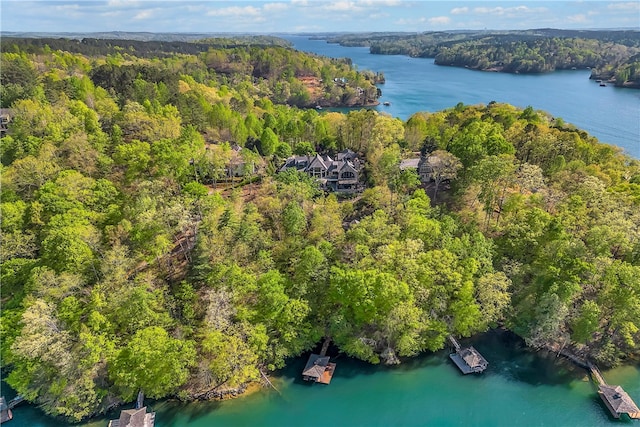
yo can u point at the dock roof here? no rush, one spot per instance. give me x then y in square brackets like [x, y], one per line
[618, 400]
[134, 418]
[316, 365]
[473, 358]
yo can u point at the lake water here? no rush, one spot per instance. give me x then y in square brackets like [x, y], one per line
[609, 113]
[519, 388]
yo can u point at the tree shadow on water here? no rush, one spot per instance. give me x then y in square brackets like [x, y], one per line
[171, 411]
[509, 357]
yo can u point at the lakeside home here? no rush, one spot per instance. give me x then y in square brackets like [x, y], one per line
[339, 175]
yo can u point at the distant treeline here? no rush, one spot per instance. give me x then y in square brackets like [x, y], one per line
[139, 48]
[611, 54]
[284, 75]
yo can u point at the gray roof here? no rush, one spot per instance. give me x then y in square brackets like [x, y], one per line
[134, 418]
[409, 163]
[619, 400]
[316, 366]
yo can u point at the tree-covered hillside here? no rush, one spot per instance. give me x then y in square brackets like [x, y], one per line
[131, 260]
[612, 55]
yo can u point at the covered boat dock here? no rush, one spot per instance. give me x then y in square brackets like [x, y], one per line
[318, 369]
[618, 401]
[468, 360]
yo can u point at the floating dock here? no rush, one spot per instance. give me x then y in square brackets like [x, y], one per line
[468, 360]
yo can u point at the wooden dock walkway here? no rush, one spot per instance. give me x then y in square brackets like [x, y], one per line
[596, 374]
[454, 342]
[15, 402]
[325, 346]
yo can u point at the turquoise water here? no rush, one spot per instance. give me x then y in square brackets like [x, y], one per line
[416, 84]
[519, 388]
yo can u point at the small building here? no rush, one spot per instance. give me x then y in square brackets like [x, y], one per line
[410, 163]
[339, 175]
[5, 412]
[5, 118]
[426, 167]
[134, 418]
[469, 360]
[618, 401]
[318, 369]
[423, 165]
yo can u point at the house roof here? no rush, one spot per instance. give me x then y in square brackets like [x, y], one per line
[409, 163]
[619, 400]
[318, 161]
[315, 366]
[347, 166]
[346, 155]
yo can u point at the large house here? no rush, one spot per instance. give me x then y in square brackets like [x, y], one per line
[340, 175]
[423, 165]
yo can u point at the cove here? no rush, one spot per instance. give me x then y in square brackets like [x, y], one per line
[416, 84]
[520, 387]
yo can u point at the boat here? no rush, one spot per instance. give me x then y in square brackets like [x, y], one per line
[386, 103]
[602, 84]
[318, 107]
[598, 81]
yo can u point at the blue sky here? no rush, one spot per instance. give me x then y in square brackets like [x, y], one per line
[312, 15]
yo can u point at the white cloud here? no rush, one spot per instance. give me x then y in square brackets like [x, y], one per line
[342, 6]
[409, 22]
[580, 18]
[235, 11]
[357, 6]
[111, 14]
[509, 11]
[300, 2]
[624, 6]
[275, 7]
[370, 3]
[143, 14]
[123, 4]
[459, 10]
[439, 20]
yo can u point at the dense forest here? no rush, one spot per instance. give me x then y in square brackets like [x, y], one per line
[612, 55]
[130, 260]
[151, 70]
